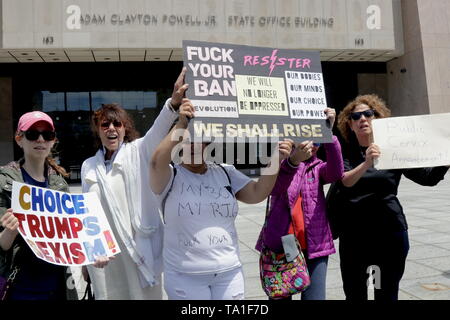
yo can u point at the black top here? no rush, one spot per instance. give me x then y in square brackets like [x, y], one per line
[371, 205]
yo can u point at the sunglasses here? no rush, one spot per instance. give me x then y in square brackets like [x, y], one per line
[357, 115]
[33, 135]
[116, 124]
[316, 144]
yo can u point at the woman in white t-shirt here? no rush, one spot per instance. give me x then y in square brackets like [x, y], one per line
[199, 205]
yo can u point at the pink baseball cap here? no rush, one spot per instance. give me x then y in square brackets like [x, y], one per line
[30, 118]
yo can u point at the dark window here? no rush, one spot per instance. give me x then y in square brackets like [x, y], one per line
[72, 113]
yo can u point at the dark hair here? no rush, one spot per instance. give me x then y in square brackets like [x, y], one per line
[373, 101]
[111, 112]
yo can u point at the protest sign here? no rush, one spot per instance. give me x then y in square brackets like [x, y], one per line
[242, 92]
[66, 229]
[412, 142]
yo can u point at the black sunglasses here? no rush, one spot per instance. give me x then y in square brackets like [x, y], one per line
[357, 115]
[33, 135]
[116, 124]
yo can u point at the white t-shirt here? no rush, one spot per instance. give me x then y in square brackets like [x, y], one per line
[200, 210]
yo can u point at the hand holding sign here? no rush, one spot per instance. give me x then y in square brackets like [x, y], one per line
[302, 152]
[9, 221]
[179, 90]
[10, 224]
[372, 153]
[331, 116]
[186, 113]
[102, 262]
[285, 148]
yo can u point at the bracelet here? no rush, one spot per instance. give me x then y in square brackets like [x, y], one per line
[291, 164]
[171, 107]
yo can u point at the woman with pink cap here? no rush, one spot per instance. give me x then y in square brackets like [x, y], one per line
[32, 278]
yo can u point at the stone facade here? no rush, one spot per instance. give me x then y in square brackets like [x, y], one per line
[415, 34]
[306, 24]
[419, 81]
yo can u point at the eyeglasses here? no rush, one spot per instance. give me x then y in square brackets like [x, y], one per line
[116, 124]
[357, 115]
[33, 135]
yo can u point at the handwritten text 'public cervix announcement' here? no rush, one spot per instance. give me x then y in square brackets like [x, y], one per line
[243, 92]
[413, 142]
[63, 228]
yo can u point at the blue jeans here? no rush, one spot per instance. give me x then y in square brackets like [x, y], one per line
[317, 269]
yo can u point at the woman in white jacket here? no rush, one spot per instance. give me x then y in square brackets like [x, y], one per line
[118, 173]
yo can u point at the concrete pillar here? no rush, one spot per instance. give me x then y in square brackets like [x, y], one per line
[419, 81]
[407, 84]
[6, 122]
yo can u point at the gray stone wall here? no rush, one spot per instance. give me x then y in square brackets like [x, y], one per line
[435, 31]
[373, 83]
[419, 81]
[306, 24]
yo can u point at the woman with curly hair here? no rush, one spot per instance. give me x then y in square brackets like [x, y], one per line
[373, 230]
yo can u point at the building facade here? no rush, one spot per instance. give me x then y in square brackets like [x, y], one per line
[67, 57]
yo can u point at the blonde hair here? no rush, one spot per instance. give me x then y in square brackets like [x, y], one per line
[373, 101]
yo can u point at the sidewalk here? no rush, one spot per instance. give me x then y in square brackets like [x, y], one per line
[427, 274]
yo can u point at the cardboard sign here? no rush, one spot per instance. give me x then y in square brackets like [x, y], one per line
[244, 92]
[66, 229]
[413, 142]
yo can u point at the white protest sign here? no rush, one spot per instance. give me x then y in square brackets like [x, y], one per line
[62, 228]
[412, 142]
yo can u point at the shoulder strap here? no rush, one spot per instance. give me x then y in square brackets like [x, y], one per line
[312, 166]
[226, 172]
[163, 204]
[269, 198]
[228, 177]
[88, 295]
[264, 227]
